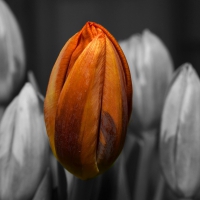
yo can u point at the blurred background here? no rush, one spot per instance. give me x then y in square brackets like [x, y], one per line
[47, 25]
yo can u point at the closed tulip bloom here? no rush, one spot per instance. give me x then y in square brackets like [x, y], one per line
[23, 147]
[12, 56]
[151, 70]
[88, 102]
[180, 133]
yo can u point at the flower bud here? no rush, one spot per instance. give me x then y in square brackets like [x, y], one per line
[180, 133]
[12, 56]
[88, 102]
[151, 70]
[23, 147]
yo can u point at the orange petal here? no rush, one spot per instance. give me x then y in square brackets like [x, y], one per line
[56, 82]
[129, 89]
[79, 106]
[114, 114]
[86, 35]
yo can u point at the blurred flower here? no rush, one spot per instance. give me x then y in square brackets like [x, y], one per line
[12, 56]
[24, 147]
[44, 190]
[180, 133]
[88, 102]
[2, 108]
[151, 70]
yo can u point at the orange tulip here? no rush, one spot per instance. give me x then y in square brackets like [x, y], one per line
[88, 102]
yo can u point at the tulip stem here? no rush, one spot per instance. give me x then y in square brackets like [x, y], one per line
[122, 187]
[186, 199]
[146, 153]
[81, 189]
[160, 189]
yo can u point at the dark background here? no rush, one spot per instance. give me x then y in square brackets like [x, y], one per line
[47, 25]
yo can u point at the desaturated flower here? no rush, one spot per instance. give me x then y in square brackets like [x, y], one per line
[151, 70]
[24, 147]
[180, 133]
[12, 55]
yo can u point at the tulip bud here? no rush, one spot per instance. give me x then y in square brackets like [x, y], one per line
[151, 70]
[180, 133]
[12, 58]
[88, 102]
[23, 147]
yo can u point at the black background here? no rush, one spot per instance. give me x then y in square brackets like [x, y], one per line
[47, 25]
